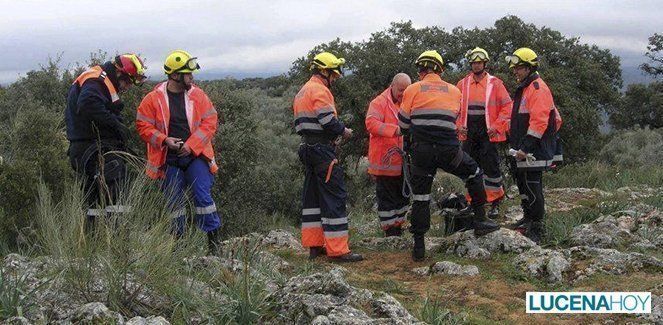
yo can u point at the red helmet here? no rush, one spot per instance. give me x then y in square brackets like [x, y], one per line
[132, 66]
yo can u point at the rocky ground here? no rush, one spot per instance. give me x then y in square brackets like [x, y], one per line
[464, 280]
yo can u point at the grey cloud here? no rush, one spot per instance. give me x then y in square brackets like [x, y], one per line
[245, 38]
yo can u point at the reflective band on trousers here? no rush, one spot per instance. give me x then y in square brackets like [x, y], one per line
[310, 211]
[312, 224]
[336, 234]
[334, 221]
[386, 214]
[206, 210]
[96, 212]
[421, 197]
[177, 214]
[491, 179]
[118, 209]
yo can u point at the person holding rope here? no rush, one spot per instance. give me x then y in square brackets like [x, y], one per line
[97, 134]
[385, 167]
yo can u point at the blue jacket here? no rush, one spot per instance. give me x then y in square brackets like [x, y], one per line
[92, 113]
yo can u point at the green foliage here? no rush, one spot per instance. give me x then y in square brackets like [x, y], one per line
[559, 225]
[16, 298]
[585, 80]
[642, 105]
[433, 312]
[654, 49]
[635, 148]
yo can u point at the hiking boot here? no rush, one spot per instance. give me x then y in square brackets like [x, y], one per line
[483, 226]
[314, 252]
[521, 225]
[419, 249]
[494, 211]
[347, 258]
[393, 232]
[535, 232]
[214, 243]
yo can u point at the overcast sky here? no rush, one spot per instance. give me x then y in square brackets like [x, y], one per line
[259, 38]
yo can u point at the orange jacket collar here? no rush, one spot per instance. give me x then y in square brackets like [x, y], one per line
[432, 77]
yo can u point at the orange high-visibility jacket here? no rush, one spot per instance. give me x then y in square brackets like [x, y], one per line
[314, 111]
[152, 121]
[429, 110]
[496, 102]
[382, 126]
[535, 122]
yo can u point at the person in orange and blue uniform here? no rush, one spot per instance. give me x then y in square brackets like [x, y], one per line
[324, 219]
[178, 121]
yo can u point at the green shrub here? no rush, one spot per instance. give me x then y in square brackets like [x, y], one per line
[634, 148]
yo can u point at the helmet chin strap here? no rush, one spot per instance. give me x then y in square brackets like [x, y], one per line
[180, 80]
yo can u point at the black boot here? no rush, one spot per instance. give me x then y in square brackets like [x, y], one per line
[535, 231]
[347, 258]
[314, 252]
[419, 249]
[214, 243]
[521, 225]
[483, 226]
[494, 211]
[393, 232]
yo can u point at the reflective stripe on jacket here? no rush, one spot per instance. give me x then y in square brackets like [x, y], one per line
[152, 120]
[315, 112]
[497, 103]
[382, 126]
[535, 122]
[429, 110]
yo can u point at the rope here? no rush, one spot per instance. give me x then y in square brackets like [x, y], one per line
[407, 186]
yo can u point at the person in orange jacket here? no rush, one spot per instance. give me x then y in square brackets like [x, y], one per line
[385, 135]
[533, 134]
[483, 122]
[178, 122]
[427, 119]
[324, 217]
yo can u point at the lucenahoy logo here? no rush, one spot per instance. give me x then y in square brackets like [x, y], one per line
[588, 302]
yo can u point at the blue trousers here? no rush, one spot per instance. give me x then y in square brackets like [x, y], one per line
[190, 173]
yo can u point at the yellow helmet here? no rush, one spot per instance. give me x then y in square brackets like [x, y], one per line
[477, 55]
[523, 56]
[326, 60]
[180, 61]
[430, 59]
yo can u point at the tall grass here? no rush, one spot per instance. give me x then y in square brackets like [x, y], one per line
[126, 258]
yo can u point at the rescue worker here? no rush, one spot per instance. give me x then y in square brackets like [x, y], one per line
[178, 122]
[535, 122]
[385, 166]
[324, 217]
[427, 119]
[483, 122]
[95, 130]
